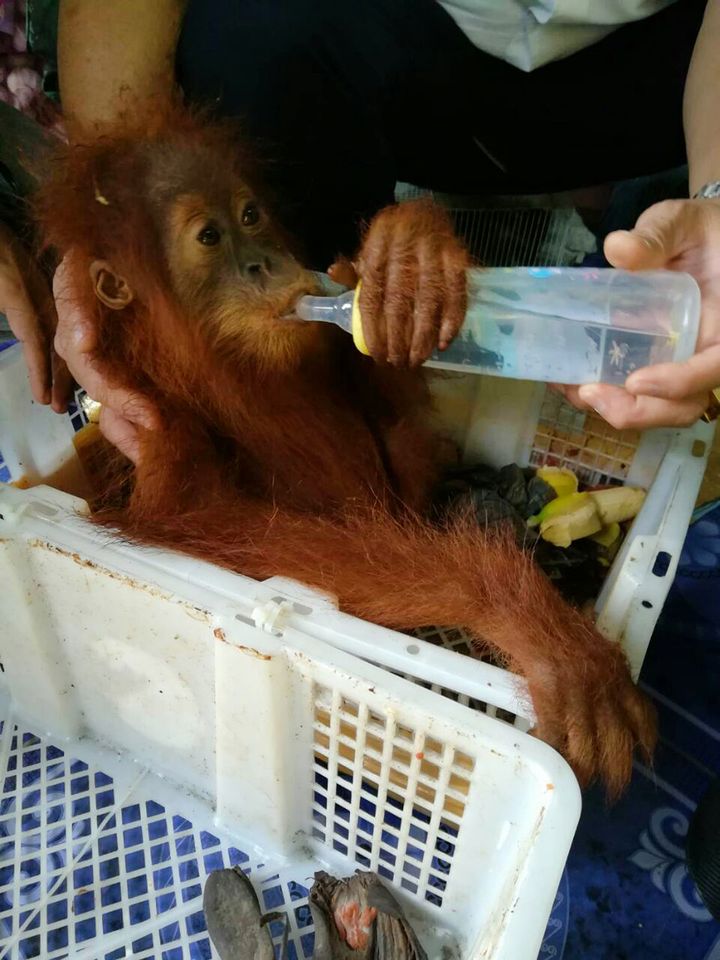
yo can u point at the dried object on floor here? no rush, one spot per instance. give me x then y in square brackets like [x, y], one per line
[235, 922]
[359, 919]
[355, 919]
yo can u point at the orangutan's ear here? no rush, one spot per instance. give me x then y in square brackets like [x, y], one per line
[110, 288]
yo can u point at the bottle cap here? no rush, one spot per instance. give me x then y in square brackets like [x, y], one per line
[357, 329]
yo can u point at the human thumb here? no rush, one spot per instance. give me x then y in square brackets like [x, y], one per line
[653, 242]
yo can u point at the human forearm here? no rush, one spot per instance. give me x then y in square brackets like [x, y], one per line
[114, 57]
[701, 107]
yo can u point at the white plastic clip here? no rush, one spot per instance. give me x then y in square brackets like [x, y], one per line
[271, 616]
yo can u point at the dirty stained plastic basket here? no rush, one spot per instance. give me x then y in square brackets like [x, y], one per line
[152, 732]
[163, 717]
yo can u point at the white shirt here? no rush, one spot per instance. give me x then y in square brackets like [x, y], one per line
[529, 33]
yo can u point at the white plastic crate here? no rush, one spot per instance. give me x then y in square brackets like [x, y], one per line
[495, 421]
[152, 732]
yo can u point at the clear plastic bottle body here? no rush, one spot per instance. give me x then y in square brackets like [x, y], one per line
[564, 325]
[573, 325]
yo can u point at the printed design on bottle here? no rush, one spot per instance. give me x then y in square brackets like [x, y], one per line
[662, 855]
[618, 352]
[467, 352]
[623, 354]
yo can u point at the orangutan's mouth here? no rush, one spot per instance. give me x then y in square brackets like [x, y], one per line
[305, 287]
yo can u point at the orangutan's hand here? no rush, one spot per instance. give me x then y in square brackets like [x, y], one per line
[413, 294]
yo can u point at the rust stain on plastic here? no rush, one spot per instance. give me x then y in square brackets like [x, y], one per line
[251, 651]
[195, 612]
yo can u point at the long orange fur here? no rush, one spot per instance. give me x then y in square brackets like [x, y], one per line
[317, 464]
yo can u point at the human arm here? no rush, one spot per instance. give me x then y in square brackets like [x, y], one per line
[26, 302]
[701, 115]
[114, 57]
[678, 235]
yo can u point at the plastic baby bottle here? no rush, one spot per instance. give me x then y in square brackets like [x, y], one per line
[553, 324]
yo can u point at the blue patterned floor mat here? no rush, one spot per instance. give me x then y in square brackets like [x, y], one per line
[626, 893]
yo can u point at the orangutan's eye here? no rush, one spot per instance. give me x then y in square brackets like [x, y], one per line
[250, 215]
[209, 236]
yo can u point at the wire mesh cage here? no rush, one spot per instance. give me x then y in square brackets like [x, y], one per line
[514, 231]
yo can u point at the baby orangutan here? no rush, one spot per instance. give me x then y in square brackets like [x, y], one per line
[286, 452]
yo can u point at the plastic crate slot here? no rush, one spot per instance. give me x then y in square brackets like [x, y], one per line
[297, 607]
[661, 564]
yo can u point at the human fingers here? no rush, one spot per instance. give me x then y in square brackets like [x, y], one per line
[75, 333]
[661, 233]
[25, 324]
[624, 411]
[23, 303]
[76, 342]
[676, 381]
[63, 383]
[571, 394]
[121, 433]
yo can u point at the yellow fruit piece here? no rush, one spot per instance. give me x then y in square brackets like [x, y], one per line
[562, 480]
[560, 506]
[578, 520]
[608, 535]
[617, 504]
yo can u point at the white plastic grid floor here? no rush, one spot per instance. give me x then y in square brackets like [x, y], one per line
[93, 868]
[81, 859]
